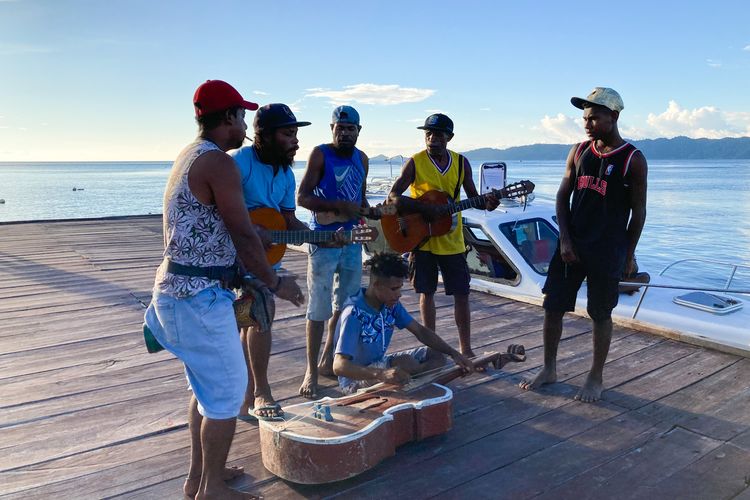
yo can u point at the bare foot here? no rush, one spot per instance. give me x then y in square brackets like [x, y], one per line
[309, 387]
[591, 390]
[543, 377]
[325, 366]
[193, 483]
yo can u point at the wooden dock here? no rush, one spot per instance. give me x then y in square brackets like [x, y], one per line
[85, 412]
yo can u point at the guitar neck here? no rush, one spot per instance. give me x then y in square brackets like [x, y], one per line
[475, 202]
[298, 237]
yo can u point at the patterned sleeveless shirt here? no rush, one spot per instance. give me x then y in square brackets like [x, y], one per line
[194, 233]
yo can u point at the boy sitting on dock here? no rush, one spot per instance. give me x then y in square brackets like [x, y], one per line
[364, 331]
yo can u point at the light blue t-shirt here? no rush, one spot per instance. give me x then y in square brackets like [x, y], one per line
[364, 333]
[260, 187]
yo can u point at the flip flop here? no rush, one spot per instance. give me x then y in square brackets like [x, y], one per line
[250, 417]
[268, 418]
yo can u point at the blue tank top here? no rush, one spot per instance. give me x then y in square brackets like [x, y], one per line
[342, 180]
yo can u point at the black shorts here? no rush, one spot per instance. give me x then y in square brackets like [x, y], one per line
[423, 271]
[562, 285]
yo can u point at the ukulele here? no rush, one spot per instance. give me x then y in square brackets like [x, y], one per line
[273, 222]
[405, 232]
[331, 216]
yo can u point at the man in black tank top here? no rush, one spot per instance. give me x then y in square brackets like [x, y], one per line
[599, 230]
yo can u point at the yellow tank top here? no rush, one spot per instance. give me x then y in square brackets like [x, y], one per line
[427, 177]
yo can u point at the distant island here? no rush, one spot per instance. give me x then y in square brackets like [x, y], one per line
[677, 148]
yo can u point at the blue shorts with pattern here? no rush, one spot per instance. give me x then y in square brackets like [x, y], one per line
[202, 332]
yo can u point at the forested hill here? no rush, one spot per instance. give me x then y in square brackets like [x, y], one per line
[677, 148]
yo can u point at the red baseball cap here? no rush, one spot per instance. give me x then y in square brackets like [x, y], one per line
[217, 95]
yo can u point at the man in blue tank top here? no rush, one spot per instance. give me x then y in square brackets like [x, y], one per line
[599, 230]
[334, 185]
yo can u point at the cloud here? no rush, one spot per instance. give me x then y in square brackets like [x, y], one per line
[747, 48]
[713, 63]
[485, 109]
[259, 92]
[371, 93]
[707, 121]
[560, 128]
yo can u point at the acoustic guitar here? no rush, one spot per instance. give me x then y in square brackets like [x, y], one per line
[273, 222]
[405, 232]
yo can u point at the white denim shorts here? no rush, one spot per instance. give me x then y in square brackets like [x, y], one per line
[202, 332]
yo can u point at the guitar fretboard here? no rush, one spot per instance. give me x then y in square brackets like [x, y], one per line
[303, 236]
[515, 189]
[475, 202]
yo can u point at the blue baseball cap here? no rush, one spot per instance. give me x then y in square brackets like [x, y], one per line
[345, 114]
[438, 121]
[276, 115]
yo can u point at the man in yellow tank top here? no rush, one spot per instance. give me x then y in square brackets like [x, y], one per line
[438, 168]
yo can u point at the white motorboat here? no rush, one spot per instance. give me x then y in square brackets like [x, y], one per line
[508, 253]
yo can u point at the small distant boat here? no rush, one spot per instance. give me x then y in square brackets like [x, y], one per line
[77, 189]
[2, 201]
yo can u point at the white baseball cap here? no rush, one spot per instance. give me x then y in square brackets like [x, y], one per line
[603, 96]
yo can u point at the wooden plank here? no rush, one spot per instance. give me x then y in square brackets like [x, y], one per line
[717, 406]
[557, 464]
[65, 435]
[722, 473]
[633, 474]
[669, 379]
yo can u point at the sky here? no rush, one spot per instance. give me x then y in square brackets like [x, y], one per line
[113, 80]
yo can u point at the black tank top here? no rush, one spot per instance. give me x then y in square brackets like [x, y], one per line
[601, 198]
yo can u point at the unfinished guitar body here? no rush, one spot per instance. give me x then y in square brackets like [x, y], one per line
[364, 430]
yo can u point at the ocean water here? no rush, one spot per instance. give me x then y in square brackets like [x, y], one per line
[696, 208]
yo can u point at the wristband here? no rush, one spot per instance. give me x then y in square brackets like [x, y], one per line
[274, 288]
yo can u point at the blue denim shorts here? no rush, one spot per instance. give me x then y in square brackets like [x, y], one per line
[333, 275]
[202, 332]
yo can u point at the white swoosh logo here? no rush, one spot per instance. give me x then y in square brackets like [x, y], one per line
[341, 177]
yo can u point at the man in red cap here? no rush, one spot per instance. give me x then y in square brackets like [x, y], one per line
[208, 237]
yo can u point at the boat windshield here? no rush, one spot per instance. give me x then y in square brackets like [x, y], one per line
[535, 239]
[485, 260]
